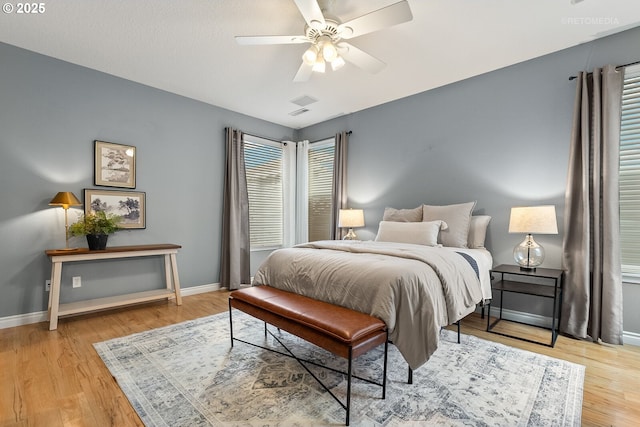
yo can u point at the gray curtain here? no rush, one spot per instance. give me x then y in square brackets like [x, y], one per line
[235, 262]
[339, 192]
[592, 301]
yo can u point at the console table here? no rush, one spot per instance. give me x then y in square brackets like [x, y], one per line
[60, 256]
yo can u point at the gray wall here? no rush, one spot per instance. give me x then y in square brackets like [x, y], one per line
[50, 114]
[501, 138]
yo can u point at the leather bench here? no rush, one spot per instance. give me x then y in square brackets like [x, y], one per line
[339, 330]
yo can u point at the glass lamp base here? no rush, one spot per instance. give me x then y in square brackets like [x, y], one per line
[350, 235]
[528, 254]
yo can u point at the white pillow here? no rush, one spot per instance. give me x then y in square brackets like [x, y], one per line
[418, 233]
[403, 215]
[478, 231]
[458, 217]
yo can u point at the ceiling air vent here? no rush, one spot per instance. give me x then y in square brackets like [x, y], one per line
[304, 100]
[298, 112]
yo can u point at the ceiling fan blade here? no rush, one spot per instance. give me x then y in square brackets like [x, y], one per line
[304, 73]
[360, 58]
[259, 40]
[311, 12]
[394, 14]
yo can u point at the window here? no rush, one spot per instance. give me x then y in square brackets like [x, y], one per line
[320, 188]
[630, 175]
[264, 169]
[271, 183]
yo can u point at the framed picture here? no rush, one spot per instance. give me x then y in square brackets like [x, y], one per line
[115, 165]
[130, 205]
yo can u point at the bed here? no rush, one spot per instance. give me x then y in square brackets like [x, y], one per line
[416, 283]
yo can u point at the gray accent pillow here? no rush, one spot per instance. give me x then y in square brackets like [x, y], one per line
[403, 215]
[457, 217]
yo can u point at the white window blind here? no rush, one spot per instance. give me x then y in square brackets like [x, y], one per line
[264, 169]
[320, 185]
[630, 173]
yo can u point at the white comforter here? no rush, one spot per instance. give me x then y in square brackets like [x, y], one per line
[414, 289]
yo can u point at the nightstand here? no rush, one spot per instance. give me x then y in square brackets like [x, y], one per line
[509, 279]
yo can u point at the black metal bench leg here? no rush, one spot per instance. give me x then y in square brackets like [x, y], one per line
[349, 387]
[230, 323]
[410, 379]
[384, 369]
[458, 323]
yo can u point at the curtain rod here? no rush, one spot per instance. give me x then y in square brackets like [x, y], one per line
[329, 137]
[282, 142]
[264, 137]
[255, 136]
[619, 66]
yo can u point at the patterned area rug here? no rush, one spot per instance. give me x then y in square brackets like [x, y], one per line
[188, 375]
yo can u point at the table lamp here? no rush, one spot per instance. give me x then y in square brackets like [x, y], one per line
[349, 218]
[65, 199]
[531, 219]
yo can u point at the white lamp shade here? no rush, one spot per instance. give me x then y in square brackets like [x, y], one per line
[533, 220]
[351, 218]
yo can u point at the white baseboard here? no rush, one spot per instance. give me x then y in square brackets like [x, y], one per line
[194, 290]
[629, 338]
[23, 319]
[41, 316]
[520, 316]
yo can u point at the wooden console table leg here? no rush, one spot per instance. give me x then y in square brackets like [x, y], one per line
[50, 295]
[54, 297]
[167, 271]
[176, 279]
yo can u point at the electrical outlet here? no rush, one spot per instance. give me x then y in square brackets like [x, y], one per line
[77, 281]
[47, 285]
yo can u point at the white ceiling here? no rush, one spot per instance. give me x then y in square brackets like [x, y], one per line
[187, 47]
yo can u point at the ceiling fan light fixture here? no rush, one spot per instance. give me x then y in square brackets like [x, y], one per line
[326, 32]
[329, 50]
[337, 63]
[319, 66]
[310, 55]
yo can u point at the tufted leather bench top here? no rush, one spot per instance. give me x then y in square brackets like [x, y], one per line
[341, 323]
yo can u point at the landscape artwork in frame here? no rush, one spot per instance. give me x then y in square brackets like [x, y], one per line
[130, 205]
[115, 165]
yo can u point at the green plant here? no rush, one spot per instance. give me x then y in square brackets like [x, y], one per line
[98, 222]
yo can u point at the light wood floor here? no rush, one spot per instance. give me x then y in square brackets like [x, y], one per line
[55, 378]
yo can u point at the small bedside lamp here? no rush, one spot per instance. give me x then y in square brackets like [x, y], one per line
[531, 219]
[65, 199]
[351, 218]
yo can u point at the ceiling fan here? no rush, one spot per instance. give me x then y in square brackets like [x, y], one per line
[327, 35]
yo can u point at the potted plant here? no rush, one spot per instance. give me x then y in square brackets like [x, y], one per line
[96, 225]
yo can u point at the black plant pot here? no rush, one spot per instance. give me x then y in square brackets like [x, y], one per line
[97, 242]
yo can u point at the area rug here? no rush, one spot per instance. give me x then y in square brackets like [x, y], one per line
[188, 374]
